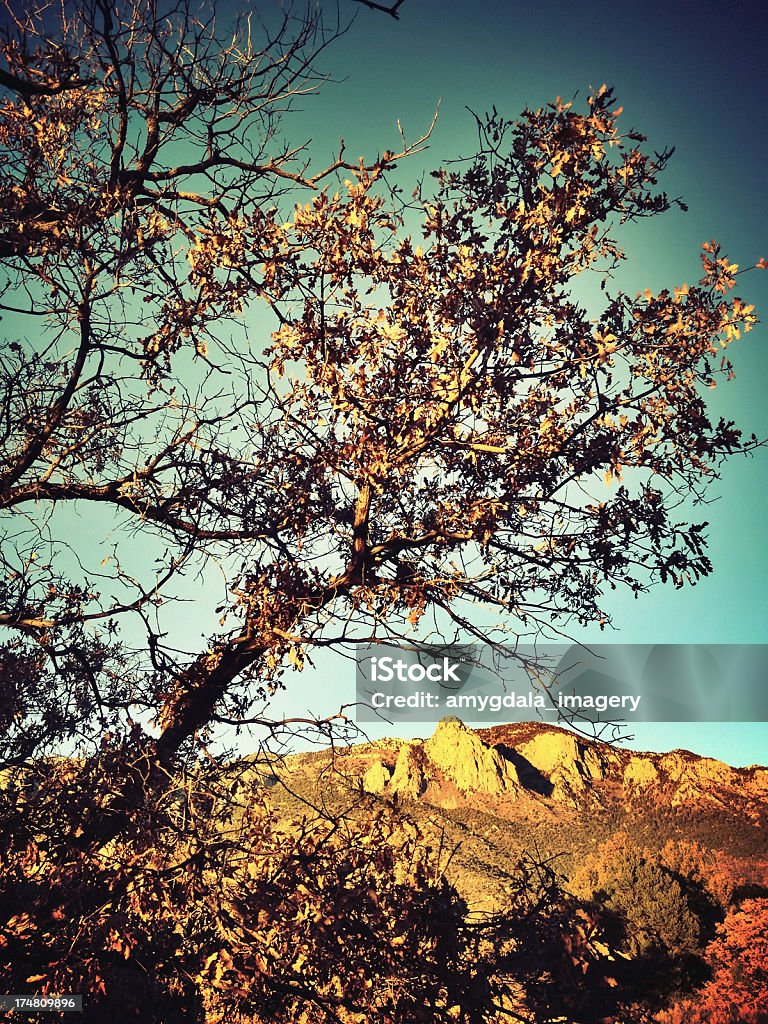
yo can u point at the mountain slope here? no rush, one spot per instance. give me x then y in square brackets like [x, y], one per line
[489, 796]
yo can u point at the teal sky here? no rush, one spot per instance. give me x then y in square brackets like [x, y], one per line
[689, 75]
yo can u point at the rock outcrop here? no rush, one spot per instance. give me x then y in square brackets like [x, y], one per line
[469, 763]
[454, 754]
[408, 778]
[540, 765]
[640, 773]
[376, 778]
[570, 765]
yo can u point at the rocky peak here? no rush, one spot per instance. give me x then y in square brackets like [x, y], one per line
[537, 761]
[408, 778]
[467, 761]
[570, 764]
[454, 754]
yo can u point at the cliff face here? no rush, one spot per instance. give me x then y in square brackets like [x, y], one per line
[550, 765]
[553, 763]
[489, 796]
[454, 759]
[467, 761]
[408, 778]
[569, 765]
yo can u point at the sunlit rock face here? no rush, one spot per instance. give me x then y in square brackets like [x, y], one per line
[640, 773]
[376, 778]
[408, 778]
[454, 757]
[570, 765]
[534, 766]
[467, 761]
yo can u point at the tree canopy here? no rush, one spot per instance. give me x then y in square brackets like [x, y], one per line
[432, 420]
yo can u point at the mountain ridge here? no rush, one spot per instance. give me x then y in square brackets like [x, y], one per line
[496, 794]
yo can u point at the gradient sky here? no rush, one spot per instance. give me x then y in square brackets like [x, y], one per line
[689, 75]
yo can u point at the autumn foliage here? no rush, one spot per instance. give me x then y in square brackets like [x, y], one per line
[240, 916]
[213, 908]
[737, 992]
